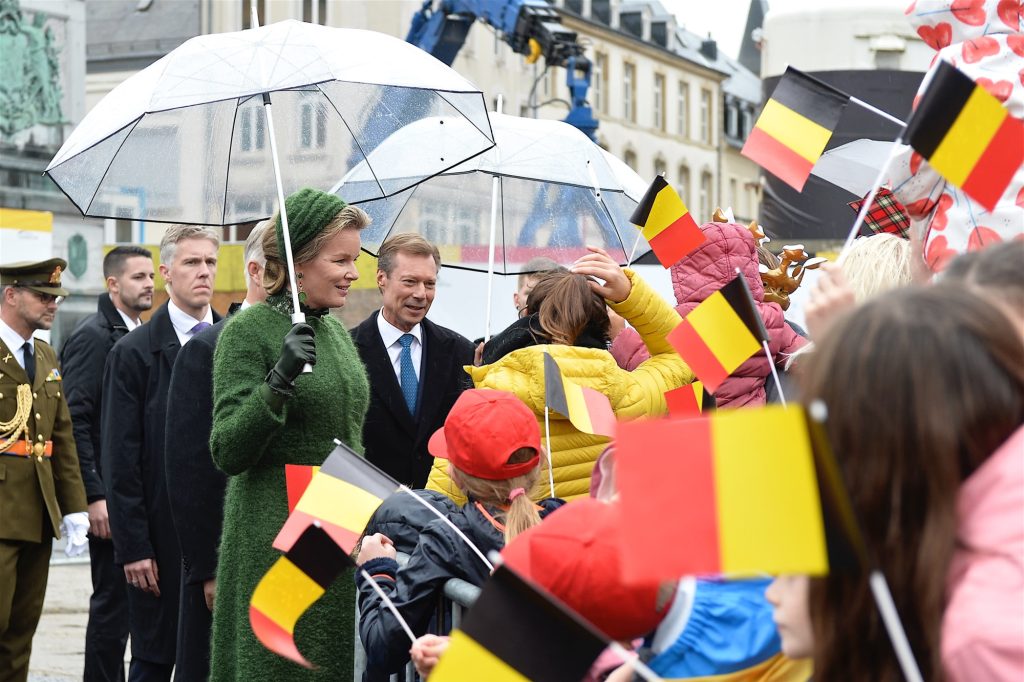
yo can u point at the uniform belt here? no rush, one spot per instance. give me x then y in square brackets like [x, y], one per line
[22, 449]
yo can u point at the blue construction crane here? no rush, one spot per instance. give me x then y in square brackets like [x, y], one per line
[530, 27]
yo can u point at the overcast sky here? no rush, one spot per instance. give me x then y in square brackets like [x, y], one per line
[725, 19]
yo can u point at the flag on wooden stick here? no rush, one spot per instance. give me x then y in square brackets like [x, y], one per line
[794, 127]
[743, 491]
[667, 225]
[967, 136]
[720, 334]
[517, 633]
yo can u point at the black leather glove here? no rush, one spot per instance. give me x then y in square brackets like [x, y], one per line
[298, 349]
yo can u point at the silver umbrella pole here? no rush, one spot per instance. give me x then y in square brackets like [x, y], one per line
[298, 317]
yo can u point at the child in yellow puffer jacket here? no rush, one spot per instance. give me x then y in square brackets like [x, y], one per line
[573, 308]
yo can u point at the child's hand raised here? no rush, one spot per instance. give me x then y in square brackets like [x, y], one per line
[426, 651]
[376, 546]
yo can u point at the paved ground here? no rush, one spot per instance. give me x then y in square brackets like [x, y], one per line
[59, 645]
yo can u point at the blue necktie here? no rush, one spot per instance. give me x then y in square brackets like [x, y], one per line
[199, 326]
[407, 374]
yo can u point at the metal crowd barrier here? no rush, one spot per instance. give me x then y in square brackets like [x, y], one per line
[457, 596]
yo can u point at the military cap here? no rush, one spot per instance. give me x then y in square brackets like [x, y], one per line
[40, 276]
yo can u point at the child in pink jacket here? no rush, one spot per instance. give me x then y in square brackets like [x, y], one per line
[700, 274]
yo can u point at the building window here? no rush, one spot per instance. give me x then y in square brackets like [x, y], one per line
[747, 121]
[705, 116]
[732, 119]
[684, 183]
[705, 196]
[659, 101]
[253, 124]
[261, 12]
[123, 232]
[314, 11]
[321, 128]
[311, 132]
[682, 110]
[629, 158]
[600, 81]
[659, 166]
[629, 92]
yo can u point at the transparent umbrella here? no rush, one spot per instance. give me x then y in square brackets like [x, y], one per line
[556, 192]
[544, 189]
[192, 138]
[186, 139]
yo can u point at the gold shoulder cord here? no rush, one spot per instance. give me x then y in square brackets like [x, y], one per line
[12, 429]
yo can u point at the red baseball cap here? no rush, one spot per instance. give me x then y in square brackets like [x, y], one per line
[482, 431]
[574, 555]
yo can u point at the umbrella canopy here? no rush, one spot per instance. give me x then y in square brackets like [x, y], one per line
[557, 193]
[185, 140]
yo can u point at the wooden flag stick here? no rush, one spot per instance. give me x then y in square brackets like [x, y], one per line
[631, 658]
[887, 608]
[547, 434]
[388, 603]
[775, 374]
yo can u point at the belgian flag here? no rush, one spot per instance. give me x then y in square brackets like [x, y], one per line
[666, 223]
[743, 488]
[686, 401]
[794, 127]
[291, 586]
[588, 410]
[967, 136]
[720, 334]
[517, 633]
[342, 496]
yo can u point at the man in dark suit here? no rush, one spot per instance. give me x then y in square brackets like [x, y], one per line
[129, 274]
[195, 486]
[415, 366]
[135, 386]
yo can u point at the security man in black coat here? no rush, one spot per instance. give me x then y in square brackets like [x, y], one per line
[135, 387]
[129, 274]
[195, 486]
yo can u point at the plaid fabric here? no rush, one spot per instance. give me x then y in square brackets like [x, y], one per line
[887, 214]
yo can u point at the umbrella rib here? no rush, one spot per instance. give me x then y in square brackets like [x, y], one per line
[354, 140]
[402, 210]
[489, 137]
[227, 170]
[112, 159]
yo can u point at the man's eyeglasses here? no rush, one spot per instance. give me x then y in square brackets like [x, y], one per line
[45, 298]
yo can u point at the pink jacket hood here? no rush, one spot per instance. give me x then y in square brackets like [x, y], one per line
[983, 626]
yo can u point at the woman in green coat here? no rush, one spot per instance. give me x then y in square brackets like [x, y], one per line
[267, 413]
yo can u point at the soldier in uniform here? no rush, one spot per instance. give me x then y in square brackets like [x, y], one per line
[41, 491]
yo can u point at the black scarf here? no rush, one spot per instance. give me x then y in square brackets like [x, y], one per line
[526, 332]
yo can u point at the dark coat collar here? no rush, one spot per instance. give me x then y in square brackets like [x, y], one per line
[108, 311]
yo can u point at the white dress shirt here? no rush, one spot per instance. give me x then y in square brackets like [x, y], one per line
[14, 341]
[390, 335]
[183, 322]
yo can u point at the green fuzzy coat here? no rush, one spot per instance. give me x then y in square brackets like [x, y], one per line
[252, 443]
